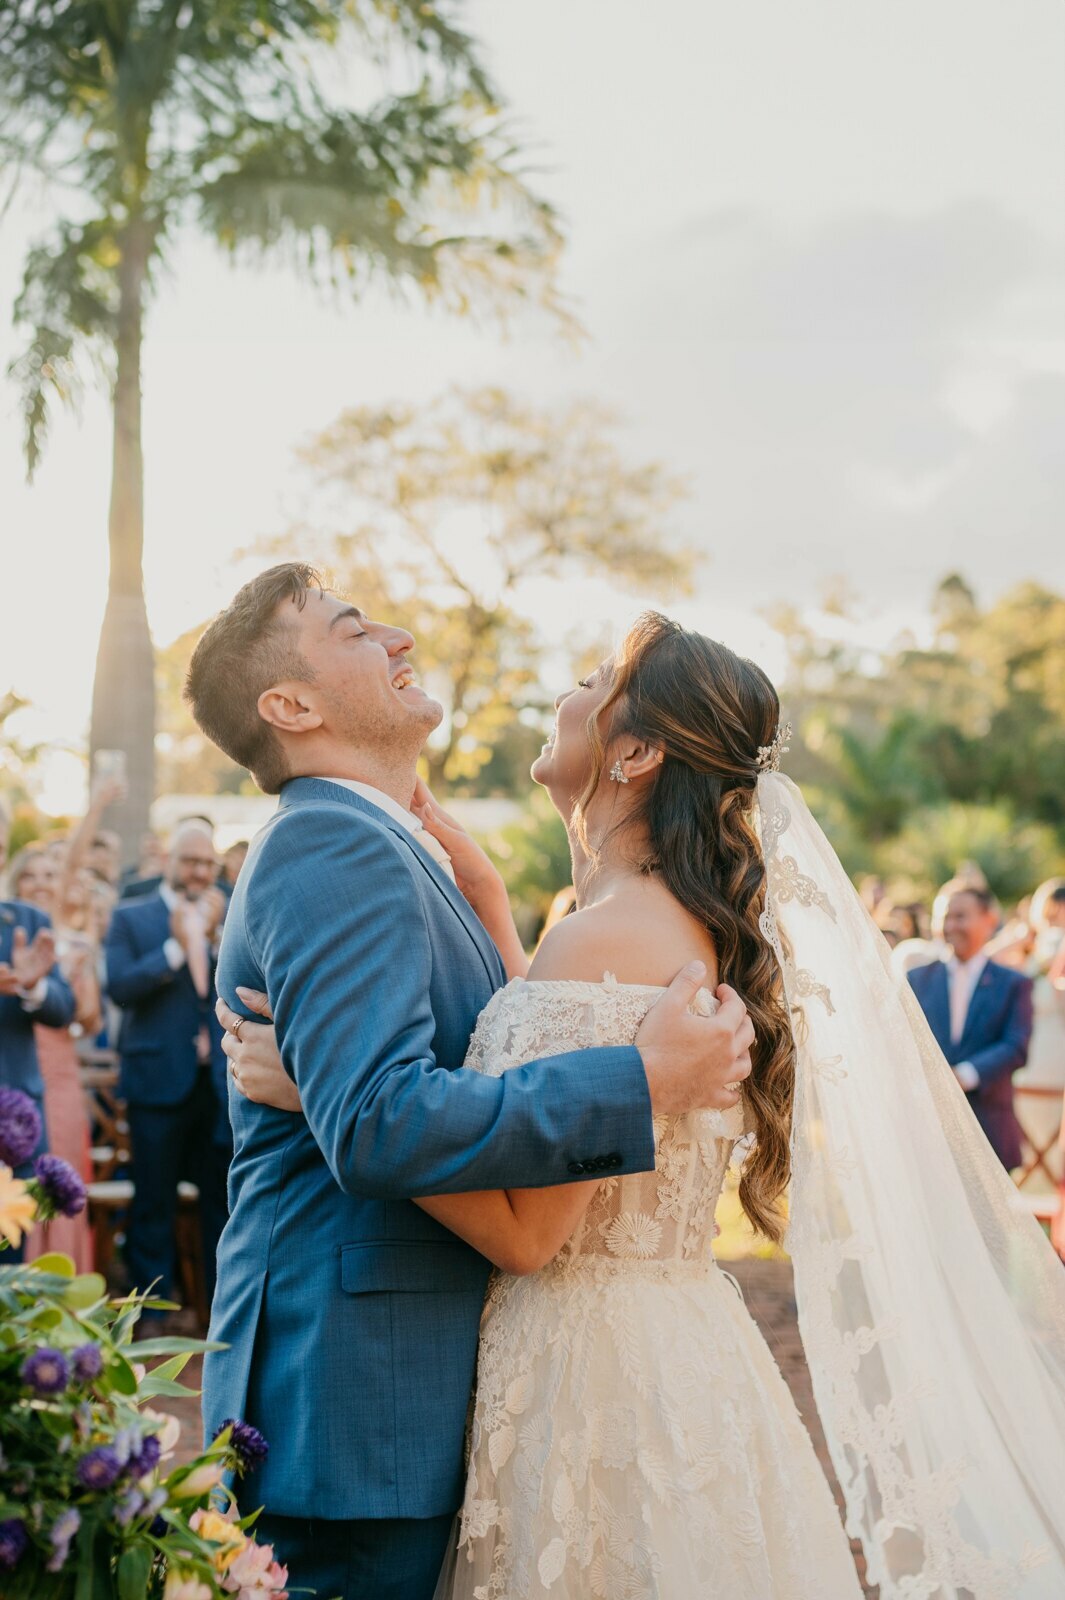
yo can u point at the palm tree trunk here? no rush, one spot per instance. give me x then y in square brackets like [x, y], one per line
[123, 702]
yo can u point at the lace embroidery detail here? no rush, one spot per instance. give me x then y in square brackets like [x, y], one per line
[911, 1510]
[808, 988]
[786, 883]
[631, 1437]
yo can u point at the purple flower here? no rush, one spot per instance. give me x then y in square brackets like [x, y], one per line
[246, 1443]
[13, 1542]
[60, 1185]
[88, 1362]
[146, 1458]
[46, 1372]
[64, 1528]
[127, 1507]
[100, 1467]
[20, 1127]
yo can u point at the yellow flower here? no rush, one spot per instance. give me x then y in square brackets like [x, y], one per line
[217, 1529]
[180, 1587]
[201, 1480]
[17, 1207]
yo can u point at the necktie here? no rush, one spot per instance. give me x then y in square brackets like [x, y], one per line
[196, 949]
[960, 994]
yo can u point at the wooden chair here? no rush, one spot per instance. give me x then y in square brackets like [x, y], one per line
[1043, 1152]
[1041, 1170]
[111, 1190]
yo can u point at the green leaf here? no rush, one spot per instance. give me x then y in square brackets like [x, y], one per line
[173, 1347]
[85, 1291]
[163, 1389]
[170, 1369]
[83, 1586]
[122, 1376]
[133, 1572]
[59, 1266]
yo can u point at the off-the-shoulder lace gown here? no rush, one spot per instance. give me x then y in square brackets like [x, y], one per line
[632, 1436]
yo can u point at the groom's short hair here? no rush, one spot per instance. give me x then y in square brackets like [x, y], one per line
[246, 650]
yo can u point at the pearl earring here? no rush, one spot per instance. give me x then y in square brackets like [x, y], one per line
[617, 772]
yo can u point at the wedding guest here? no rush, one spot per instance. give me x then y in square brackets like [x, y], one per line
[980, 1014]
[160, 958]
[232, 862]
[150, 870]
[35, 879]
[105, 854]
[1045, 930]
[32, 990]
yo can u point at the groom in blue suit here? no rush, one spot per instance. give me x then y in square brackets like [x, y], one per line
[350, 1317]
[981, 1015]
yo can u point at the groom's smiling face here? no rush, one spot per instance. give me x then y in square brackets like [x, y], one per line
[362, 689]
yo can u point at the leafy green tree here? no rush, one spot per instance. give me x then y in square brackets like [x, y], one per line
[1014, 856]
[151, 117]
[921, 756]
[458, 504]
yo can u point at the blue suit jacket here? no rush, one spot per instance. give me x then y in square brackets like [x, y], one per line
[19, 1068]
[162, 1013]
[351, 1316]
[995, 1040]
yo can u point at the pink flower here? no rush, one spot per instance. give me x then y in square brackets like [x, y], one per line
[254, 1572]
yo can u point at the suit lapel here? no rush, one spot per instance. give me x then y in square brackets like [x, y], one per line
[300, 790]
[8, 923]
[158, 927]
[938, 1007]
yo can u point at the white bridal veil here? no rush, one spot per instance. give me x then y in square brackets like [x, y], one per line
[931, 1307]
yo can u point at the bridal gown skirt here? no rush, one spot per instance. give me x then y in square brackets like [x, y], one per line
[634, 1439]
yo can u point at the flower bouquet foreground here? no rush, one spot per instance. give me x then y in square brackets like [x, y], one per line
[91, 1505]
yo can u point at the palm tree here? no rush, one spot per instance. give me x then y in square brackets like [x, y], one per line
[148, 116]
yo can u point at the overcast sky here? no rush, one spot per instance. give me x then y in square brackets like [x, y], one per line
[819, 250]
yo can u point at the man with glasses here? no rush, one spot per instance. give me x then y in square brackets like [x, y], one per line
[160, 952]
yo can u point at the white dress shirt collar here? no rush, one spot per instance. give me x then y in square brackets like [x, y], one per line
[383, 802]
[400, 814]
[973, 968]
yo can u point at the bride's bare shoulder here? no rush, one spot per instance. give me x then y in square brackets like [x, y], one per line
[641, 935]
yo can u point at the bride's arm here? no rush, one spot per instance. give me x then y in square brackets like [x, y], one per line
[519, 1230]
[476, 878]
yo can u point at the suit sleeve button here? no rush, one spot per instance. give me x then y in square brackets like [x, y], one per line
[575, 1167]
[614, 1160]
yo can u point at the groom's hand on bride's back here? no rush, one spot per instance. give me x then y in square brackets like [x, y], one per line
[695, 1062]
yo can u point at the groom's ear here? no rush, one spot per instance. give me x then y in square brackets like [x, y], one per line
[288, 708]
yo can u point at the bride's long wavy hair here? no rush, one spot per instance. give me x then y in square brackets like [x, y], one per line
[709, 711]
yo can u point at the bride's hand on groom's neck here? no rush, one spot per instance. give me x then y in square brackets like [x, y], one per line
[695, 1062]
[476, 878]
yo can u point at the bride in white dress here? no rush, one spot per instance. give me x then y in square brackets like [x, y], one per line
[631, 1435]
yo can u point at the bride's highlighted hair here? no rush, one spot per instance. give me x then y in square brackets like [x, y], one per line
[709, 711]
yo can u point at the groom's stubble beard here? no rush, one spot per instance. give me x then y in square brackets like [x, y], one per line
[390, 738]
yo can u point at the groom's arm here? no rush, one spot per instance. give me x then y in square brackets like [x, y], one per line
[338, 929]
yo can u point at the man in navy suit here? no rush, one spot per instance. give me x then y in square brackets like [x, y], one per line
[347, 1317]
[32, 990]
[981, 1015]
[160, 954]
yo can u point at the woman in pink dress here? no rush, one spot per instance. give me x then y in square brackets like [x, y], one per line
[35, 877]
